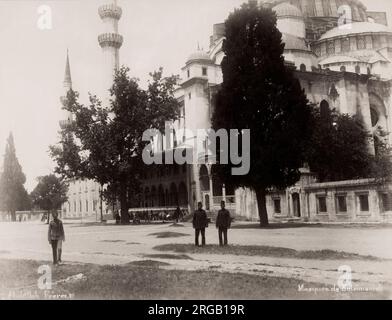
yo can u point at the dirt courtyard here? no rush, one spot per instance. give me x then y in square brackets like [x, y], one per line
[308, 253]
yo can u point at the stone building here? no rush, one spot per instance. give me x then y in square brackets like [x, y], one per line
[342, 56]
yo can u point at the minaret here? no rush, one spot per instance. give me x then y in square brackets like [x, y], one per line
[67, 117]
[110, 41]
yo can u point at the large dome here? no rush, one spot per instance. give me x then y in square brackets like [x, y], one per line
[356, 28]
[287, 10]
[320, 8]
[199, 55]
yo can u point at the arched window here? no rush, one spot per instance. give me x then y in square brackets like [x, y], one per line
[174, 139]
[346, 45]
[325, 111]
[361, 43]
[357, 69]
[369, 71]
[317, 51]
[217, 184]
[302, 67]
[204, 178]
[374, 116]
[343, 69]
[331, 47]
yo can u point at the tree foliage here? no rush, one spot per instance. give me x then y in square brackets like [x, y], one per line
[339, 148]
[104, 143]
[50, 193]
[381, 168]
[259, 92]
[13, 195]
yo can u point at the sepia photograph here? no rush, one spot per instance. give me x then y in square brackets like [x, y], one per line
[169, 151]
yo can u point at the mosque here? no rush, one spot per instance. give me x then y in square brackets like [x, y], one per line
[342, 55]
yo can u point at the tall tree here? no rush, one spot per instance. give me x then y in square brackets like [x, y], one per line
[50, 193]
[13, 195]
[104, 143]
[259, 92]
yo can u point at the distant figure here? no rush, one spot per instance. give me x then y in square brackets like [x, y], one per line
[177, 214]
[223, 222]
[56, 234]
[117, 217]
[200, 223]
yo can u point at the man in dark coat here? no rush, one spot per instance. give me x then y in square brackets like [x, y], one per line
[200, 223]
[56, 234]
[177, 214]
[223, 222]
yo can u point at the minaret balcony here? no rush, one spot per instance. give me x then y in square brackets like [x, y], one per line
[110, 11]
[65, 123]
[110, 40]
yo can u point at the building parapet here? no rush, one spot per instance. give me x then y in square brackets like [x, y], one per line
[340, 184]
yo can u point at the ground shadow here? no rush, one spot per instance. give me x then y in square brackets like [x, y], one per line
[265, 251]
[287, 225]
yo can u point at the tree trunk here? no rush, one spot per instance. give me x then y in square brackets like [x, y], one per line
[124, 204]
[13, 215]
[262, 206]
[101, 202]
[48, 218]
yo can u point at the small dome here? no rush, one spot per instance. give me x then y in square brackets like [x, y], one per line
[199, 55]
[287, 10]
[294, 43]
[338, 59]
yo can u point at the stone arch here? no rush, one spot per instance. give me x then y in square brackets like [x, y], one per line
[204, 178]
[153, 196]
[378, 112]
[325, 110]
[173, 195]
[182, 194]
[147, 197]
[302, 67]
[167, 198]
[217, 183]
[161, 196]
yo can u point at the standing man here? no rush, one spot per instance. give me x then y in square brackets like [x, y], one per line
[200, 223]
[56, 234]
[177, 214]
[223, 222]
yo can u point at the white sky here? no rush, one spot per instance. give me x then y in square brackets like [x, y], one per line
[32, 61]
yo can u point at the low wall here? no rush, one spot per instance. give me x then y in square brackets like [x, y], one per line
[343, 201]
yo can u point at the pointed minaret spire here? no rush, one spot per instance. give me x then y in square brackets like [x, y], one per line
[67, 77]
[67, 116]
